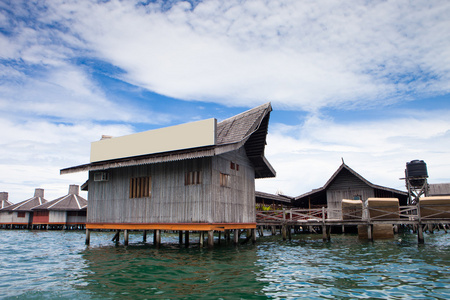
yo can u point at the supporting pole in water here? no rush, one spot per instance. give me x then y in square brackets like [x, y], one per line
[88, 237]
[274, 230]
[186, 238]
[211, 238]
[370, 232]
[202, 234]
[236, 236]
[420, 238]
[180, 237]
[324, 233]
[253, 236]
[116, 236]
[283, 231]
[144, 239]
[125, 237]
[157, 237]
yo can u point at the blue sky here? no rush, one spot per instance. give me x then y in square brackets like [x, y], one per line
[367, 81]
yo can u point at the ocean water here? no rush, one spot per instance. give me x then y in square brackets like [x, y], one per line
[57, 265]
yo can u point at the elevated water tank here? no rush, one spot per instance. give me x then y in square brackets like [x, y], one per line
[416, 168]
[416, 172]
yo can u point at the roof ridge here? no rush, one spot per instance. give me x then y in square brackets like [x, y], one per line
[57, 201]
[23, 203]
[266, 105]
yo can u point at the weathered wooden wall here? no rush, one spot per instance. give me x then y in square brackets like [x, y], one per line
[171, 200]
[345, 186]
[57, 216]
[8, 217]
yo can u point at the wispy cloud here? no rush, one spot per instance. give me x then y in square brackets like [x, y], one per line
[303, 54]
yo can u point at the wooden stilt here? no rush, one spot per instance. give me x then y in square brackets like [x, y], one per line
[116, 236]
[125, 237]
[88, 237]
[343, 228]
[370, 232]
[211, 238]
[324, 233]
[328, 233]
[144, 238]
[289, 229]
[228, 235]
[274, 231]
[157, 237]
[420, 238]
[220, 236]
[186, 238]
[236, 236]
[253, 236]
[180, 237]
[202, 233]
[283, 232]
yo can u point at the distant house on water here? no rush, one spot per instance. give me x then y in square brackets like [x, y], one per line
[20, 215]
[196, 176]
[345, 183]
[66, 211]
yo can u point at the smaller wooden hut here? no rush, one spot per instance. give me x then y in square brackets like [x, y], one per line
[68, 211]
[4, 200]
[20, 215]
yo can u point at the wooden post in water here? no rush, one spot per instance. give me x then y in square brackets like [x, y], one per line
[370, 232]
[236, 236]
[324, 233]
[220, 236]
[202, 233]
[88, 237]
[144, 239]
[283, 231]
[116, 236]
[211, 238]
[157, 237]
[274, 230]
[420, 238]
[253, 236]
[186, 238]
[125, 237]
[180, 237]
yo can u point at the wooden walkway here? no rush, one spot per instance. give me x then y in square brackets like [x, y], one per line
[419, 216]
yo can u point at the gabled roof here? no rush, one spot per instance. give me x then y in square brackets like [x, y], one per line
[247, 129]
[70, 202]
[339, 170]
[28, 204]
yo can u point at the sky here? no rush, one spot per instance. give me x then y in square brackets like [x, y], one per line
[365, 82]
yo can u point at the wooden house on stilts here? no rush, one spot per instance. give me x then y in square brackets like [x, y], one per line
[67, 212]
[20, 215]
[198, 176]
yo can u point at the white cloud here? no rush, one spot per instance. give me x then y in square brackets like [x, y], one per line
[303, 54]
[305, 156]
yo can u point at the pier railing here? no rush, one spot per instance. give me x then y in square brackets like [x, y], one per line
[364, 214]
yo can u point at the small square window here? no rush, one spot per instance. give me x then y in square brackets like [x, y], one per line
[140, 187]
[224, 180]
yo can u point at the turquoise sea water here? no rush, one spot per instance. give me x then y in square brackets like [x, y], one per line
[57, 265]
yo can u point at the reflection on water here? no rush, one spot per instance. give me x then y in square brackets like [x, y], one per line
[57, 265]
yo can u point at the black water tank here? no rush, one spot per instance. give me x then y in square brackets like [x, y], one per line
[416, 168]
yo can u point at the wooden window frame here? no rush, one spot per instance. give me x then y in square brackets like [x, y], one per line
[225, 180]
[193, 178]
[21, 214]
[140, 187]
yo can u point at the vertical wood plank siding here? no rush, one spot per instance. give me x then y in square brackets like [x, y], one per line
[345, 186]
[171, 200]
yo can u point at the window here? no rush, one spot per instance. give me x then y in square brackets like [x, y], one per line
[191, 178]
[224, 180]
[21, 214]
[234, 166]
[140, 187]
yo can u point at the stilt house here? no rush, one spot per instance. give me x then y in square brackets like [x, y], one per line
[345, 184]
[4, 200]
[196, 176]
[69, 210]
[266, 201]
[21, 214]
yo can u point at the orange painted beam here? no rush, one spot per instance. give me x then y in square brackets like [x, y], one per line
[172, 226]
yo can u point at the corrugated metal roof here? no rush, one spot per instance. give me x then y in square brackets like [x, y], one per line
[280, 198]
[439, 189]
[247, 129]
